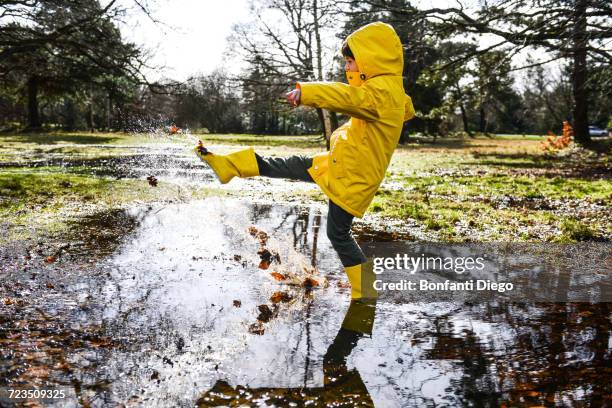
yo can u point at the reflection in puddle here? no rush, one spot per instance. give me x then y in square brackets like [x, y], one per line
[165, 318]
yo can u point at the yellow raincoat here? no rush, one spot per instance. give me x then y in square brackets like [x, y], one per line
[351, 172]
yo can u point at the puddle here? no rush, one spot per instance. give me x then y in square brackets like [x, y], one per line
[173, 310]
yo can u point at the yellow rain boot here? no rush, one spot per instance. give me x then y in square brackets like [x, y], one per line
[362, 281]
[238, 164]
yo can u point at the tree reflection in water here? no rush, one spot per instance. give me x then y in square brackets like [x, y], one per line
[342, 387]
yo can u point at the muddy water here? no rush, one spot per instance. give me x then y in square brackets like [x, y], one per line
[171, 309]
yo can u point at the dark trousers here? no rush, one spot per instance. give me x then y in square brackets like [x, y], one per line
[338, 221]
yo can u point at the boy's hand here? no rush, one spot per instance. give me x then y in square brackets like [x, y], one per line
[293, 97]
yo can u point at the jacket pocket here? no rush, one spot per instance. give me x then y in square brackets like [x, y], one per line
[320, 165]
[337, 159]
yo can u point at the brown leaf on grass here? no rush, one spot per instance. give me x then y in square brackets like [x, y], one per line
[344, 284]
[237, 303]
[50, 285]
[8, 301]
[152, 181]
[256, 328]
[50, 259]
[278, 276]
[309, 283]
[264, 265]
[278, 297]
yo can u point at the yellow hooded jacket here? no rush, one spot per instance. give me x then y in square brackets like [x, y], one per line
[361, 149]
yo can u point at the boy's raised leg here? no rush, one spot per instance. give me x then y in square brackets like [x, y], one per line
[292, 167]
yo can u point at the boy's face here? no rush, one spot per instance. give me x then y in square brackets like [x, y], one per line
[350, 65]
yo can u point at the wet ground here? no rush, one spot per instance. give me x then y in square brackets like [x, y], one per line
[160, 305]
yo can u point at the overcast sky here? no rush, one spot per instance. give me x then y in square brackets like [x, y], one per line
[192, 38]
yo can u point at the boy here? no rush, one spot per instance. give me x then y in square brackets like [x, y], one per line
[351, 172]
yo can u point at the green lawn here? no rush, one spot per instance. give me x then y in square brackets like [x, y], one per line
[484, 189]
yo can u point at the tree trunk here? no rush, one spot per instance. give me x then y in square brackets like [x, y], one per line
[579, 77]
[483, 120]
[333, 119]
[466, 126]
[325, 125]
[33, 114]
[405, 135]
[89, 114]
[109, 109]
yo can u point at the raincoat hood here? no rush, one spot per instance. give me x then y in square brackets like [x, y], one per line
[377, 50]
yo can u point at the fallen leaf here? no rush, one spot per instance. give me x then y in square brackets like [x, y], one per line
[268, 257]
[265, 255]
[50, 259]
[265, 313]
[278, 297]
[50, 285]
[344, 284]
[237, 303]
[8, 301]
[256, 328]
[152, 181]
[309, 283]
[262, 236]
[278, 276]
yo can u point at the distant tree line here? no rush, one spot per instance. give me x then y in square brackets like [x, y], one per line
[65, 64]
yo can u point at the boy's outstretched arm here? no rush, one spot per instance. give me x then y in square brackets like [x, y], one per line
[357, 102]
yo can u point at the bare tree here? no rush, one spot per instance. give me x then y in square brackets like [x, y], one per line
[285, 40]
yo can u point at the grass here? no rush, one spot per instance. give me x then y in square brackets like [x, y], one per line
[574, 230]
[46, 198]
[498, 190]
[484, 189]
